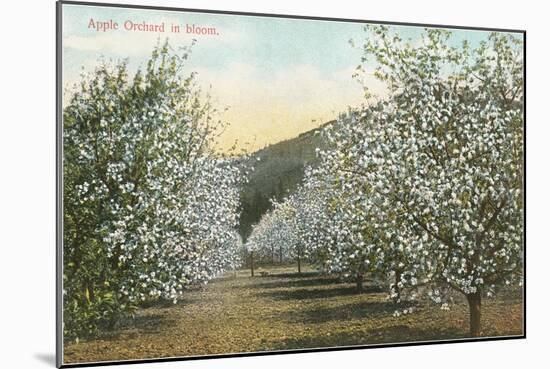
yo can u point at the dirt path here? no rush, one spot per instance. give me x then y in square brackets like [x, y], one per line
[284, 311]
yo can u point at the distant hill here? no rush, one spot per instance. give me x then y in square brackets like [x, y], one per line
[278, 172]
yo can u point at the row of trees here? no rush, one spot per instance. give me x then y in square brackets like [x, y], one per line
[422, 189]
[274, 238]
[148, 208]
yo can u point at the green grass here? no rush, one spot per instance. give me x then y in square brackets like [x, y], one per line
[284, 310]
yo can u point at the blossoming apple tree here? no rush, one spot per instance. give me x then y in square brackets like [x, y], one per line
[275, 234]
[341, 227]
[149, 209]
[444, 157]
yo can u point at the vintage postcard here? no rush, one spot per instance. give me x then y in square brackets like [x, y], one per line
[233, 183]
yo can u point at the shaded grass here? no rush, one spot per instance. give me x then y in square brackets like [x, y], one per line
[346, 313]
[276, 282]
[290, 293]
[284, 310]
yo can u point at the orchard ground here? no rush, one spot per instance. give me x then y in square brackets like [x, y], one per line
[283, 310]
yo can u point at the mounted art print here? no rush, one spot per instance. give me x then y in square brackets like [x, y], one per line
[242, 184]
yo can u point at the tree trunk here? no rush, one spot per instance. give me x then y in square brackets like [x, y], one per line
[474, 302]
[299, 265]
[396, 286]
[359, 282]
[281, 254]
[252, 263]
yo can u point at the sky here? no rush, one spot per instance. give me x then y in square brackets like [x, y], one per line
[277, 77]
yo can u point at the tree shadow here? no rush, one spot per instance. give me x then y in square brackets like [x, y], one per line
[295, 283]
[159, 304]
[398, 333]
[316, 293]
[354, 311]
[149, 323]
[293, 275]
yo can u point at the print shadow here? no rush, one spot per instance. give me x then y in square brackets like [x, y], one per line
[46, 358]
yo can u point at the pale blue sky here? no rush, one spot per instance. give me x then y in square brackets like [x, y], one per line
[279, 77]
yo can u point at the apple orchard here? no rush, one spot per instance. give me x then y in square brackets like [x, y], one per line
[421, 189]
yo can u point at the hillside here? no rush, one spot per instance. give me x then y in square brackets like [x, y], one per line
[278, 172]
